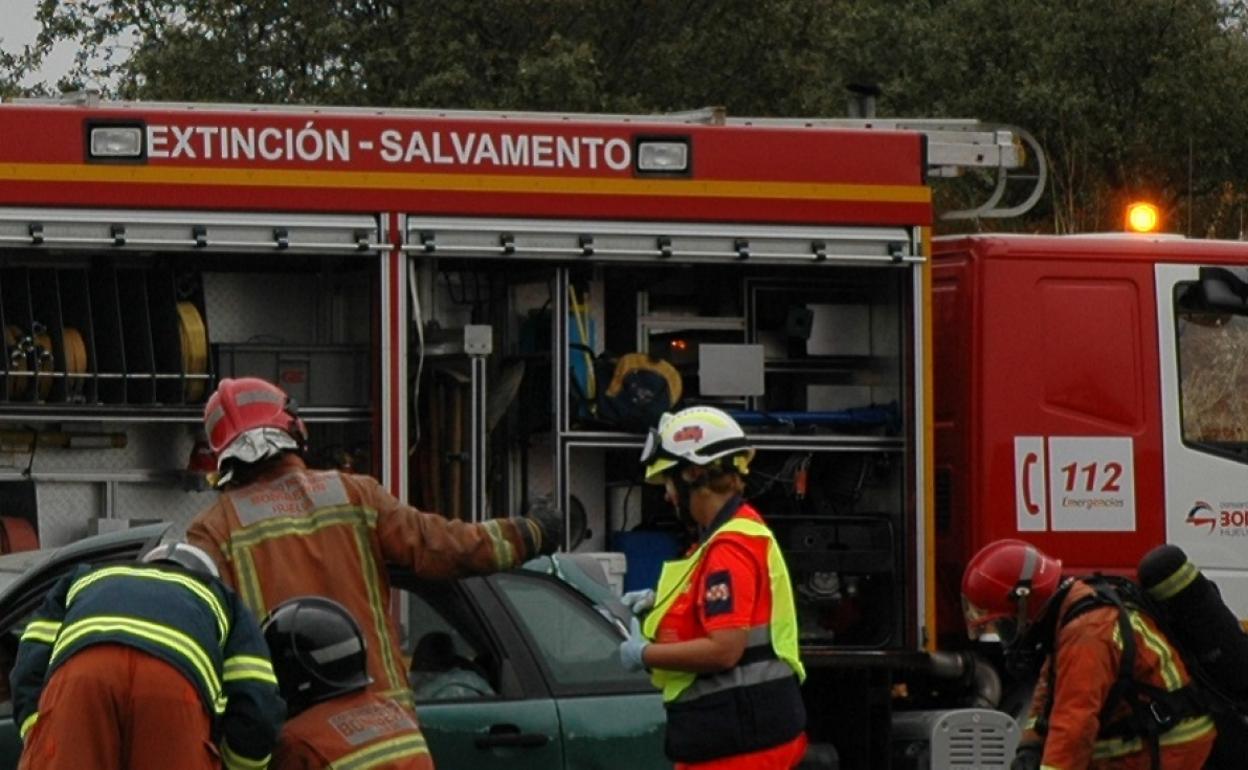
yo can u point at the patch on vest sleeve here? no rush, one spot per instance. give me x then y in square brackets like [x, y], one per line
[718, 593]
[372, 721]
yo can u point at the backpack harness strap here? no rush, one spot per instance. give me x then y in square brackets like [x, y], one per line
[1153, 710]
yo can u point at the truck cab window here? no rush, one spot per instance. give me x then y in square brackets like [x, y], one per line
[1213, 371]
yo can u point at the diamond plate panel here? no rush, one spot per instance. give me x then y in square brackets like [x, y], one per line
[155, 501]
[245, 307]
[65, 509]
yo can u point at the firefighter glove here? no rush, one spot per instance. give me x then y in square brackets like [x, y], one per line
[632, 648]
[638, 602]
[1027, 757]
[549, 520]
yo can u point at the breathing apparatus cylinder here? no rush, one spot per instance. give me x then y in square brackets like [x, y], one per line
[1196, 616]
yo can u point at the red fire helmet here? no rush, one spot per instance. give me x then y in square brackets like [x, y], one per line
[250, 419]
[1006, 587]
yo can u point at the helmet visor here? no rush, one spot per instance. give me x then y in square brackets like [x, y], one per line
[985, 626]
[650, 450]
[654, 457]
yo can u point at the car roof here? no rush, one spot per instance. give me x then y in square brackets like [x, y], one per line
[122, 543]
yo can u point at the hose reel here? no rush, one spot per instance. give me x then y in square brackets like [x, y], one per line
[194, 336]
[75, 350]
[16, 386]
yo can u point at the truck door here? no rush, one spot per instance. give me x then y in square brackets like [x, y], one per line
[1202, 322]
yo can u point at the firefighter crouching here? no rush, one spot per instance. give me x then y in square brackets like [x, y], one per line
[149, 665]
[1112, 690]
[279, 530]
[333, 720]
[722, 620]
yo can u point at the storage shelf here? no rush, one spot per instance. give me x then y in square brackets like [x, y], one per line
[797, 442]
[822, 364]
[168, 414]
[690, 322]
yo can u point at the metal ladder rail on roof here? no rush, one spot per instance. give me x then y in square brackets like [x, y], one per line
[953, 144]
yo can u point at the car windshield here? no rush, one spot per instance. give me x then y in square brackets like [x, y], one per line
[585, 574]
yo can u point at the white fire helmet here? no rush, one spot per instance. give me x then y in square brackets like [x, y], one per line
[699, 435]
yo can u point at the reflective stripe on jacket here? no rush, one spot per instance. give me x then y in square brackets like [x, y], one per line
[352, 732]
[1087, 654]
[296, 532]
[194, 623]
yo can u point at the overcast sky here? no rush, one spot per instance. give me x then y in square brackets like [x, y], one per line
[18, 27]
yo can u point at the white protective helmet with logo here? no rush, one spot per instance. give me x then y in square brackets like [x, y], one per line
[699, 435]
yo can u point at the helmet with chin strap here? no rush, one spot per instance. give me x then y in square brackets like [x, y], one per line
[698, 435]
[1006, 587]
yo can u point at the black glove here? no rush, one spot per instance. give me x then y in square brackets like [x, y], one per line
[549, 519]
[1027, 757]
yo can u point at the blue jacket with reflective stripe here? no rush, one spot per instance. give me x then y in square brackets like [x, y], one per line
[193, 622]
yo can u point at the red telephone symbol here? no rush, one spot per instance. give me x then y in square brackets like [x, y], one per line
[1028, 461]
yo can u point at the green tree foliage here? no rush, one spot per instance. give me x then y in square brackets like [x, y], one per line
[1129, 97]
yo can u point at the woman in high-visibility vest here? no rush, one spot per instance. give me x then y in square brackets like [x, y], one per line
[720, 638]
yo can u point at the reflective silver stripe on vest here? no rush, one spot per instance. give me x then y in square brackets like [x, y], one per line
[295, 494]
[758, 637]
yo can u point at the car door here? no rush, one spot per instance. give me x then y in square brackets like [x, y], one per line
[610, 718]
[23, 596]
[480, 696]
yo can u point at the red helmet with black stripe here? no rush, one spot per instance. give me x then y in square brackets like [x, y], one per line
[1006, 588]
[248, 419]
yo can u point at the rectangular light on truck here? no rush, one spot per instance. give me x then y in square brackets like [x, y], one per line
[116, 142]
[663, 156]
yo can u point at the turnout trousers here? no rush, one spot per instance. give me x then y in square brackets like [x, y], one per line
[112, 707]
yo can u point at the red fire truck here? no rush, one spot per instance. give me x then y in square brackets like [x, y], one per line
[1090, 397]
[439, 291]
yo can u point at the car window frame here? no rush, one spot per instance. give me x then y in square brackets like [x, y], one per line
[519, 677]
[606, 687]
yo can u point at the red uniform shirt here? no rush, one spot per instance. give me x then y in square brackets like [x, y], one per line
[730, 586]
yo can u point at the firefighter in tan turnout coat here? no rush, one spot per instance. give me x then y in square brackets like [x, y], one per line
[280, 531]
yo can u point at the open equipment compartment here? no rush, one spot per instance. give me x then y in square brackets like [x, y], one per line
[108, 360]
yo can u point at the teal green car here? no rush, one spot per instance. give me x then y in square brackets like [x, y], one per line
[517, 670]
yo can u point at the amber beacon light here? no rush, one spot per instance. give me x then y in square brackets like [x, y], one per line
[1142, 217]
